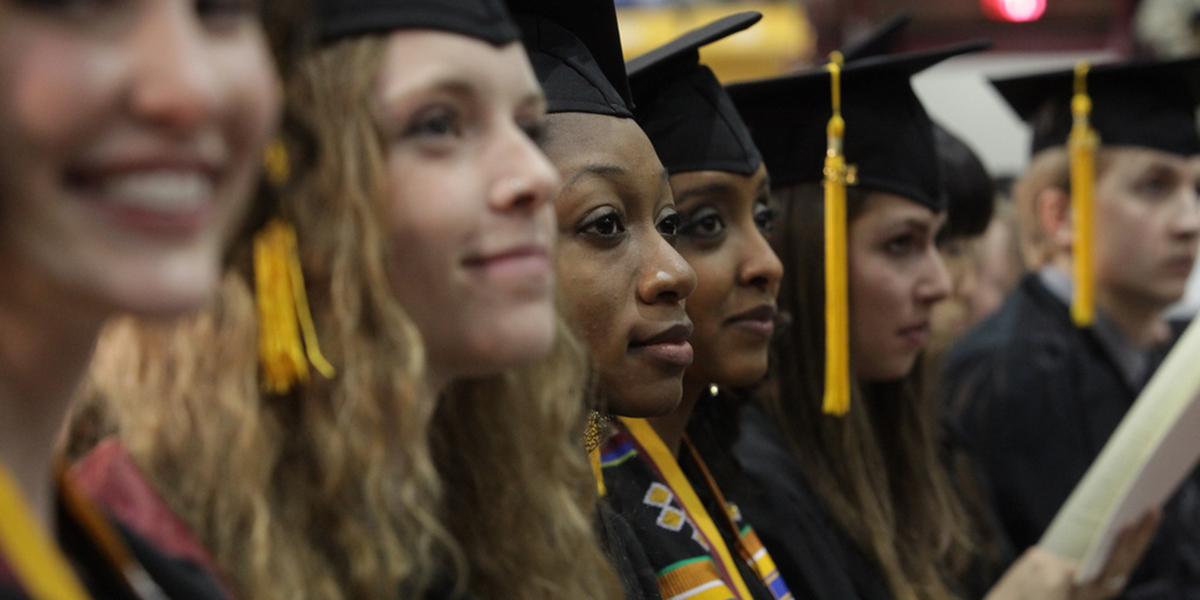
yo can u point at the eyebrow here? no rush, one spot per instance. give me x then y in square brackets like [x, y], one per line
[709, 189]
[605, 170]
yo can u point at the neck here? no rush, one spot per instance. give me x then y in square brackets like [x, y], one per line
[44, 355]
[1140, 320]
[671, 426]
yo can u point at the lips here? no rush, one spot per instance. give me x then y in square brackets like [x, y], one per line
[758, 321]
[517, 263]
[667, 344]
[916, 335]
[172, 196]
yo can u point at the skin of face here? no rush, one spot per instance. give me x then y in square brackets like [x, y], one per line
[471, 223]
[952, 316]
[132, 136]
[1147, 222]
[623, 284]
[895, 277]
[725, 217]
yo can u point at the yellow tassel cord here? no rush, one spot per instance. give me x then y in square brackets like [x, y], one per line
[837, 345]
[28, 550]
[276, 163]
[283, 313]
[593, 436]
[1082, 147]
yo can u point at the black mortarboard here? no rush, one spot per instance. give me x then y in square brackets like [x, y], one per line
[880, 40]
[970, 191]
[1148, 104]
[575, 48]
[684, 109]
[888, 135]
[487, 20]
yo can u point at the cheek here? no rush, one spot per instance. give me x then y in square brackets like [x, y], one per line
[714, 280]
[252, 100]
[591, 295]
[54, 91]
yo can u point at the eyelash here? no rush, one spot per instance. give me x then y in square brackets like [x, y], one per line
[423, 125]
[765, 217]
[605, 217]
[703, 223]
[669, 225]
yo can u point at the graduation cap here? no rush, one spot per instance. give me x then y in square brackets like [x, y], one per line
[855, 124]
[685, 111]
[970, 191]
[1147, 104]
[888, 135]
[1144, 104]
[575, 49]
[487, 20]
[880, 40]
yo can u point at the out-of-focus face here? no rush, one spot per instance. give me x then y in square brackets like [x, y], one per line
[1147, 223]
[132, 132]
[953, 316]
[895, 277]
[725, 217]
[623, 284]
[471, 224]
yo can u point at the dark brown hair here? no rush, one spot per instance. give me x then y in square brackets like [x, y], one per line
[876, 470]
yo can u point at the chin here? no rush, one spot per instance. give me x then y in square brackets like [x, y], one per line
[643, 400]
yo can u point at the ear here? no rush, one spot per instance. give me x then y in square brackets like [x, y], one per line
[1053, 206]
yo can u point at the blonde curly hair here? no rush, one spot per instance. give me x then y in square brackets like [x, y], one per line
[363, 486]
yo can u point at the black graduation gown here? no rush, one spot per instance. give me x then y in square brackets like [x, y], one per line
[811, 551]
[626, 554]
[671, 545]
[179, 579]
[1033, 399]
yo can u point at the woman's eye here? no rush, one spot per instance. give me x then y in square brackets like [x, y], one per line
[1154, 187]
[606, 223]
[900, 245]
[765, 217]
[705, 223]
[536, 131]
[225, 9]
[435, 123]
[669, 224]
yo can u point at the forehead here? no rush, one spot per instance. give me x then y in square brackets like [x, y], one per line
[579, 141]
[1136, 159]
[417, 58]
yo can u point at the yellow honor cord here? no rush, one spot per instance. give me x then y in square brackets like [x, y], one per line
[37, 562]
[283, 312]
[837, 344]
[597, 471]
[1082, 146]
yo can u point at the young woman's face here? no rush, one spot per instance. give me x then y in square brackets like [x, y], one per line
[622, 282]
[895, 277]
[725, 217]
[132, 134]
[469, 213]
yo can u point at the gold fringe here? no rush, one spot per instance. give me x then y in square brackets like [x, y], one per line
[837, 345]
[1082, 146]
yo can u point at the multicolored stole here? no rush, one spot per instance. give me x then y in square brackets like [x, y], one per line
[40, 566]
[693, 579]
[748, 545]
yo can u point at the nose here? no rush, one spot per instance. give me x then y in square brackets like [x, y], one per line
[527, 180]
[934, 284]
[665, 277]
[1186, 224]
[174, 84]
[760, 267]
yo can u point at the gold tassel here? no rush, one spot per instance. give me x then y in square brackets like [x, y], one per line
[283, 314]
[837, 345]
[1082, 147]
[276, 163]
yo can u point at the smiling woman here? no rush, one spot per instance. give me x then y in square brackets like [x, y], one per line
[131, 136]
[439, 460]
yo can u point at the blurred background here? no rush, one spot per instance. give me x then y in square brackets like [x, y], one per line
[1028, 36]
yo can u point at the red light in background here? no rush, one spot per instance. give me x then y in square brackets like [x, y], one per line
[1017, 11]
